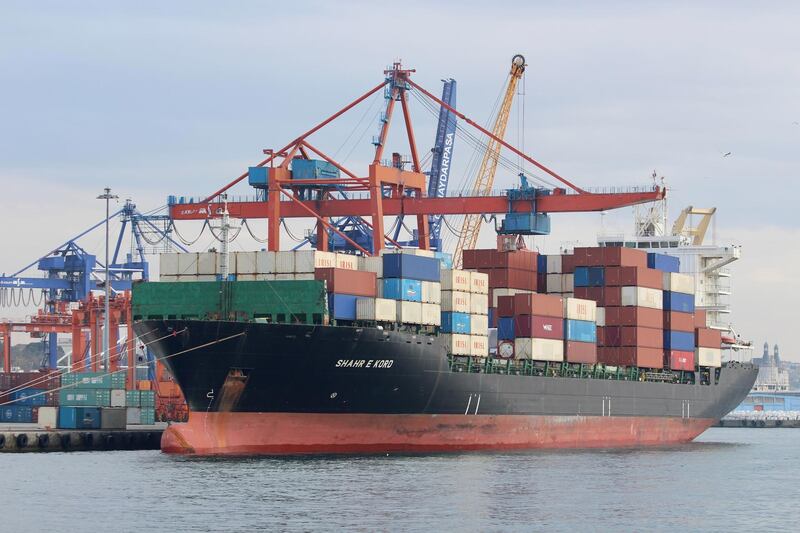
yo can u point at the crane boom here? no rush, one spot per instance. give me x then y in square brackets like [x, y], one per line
[471, 227]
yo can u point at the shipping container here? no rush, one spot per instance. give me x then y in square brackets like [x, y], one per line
[21, 414]
[678, 301]
[508, 278]
[409, 312]
[187, 264]
[118, 398]
[559, 283]
[505, 306]
[312, 169]
[539, 349]
[431, 292]
[133, 415]
[456, 301]
[633, 336]
[681, 283]
[168, 264]
[662, 262]
[371, 264]
[604, 296]
[642, 297]
[538, 304]
[680, 360]
[147, 398]
[455, 322]
[580, 330]
[243, 263]
[700, 320]
[410, 251]
[148, 416]
[542, 327]
[344, 281]
[580, 352]
[634, 316]
[678, 340]
[567, 263]
[113, 418]
[132, 398]
[479, 283]
[631, 356]
[456, 280]
[445, 259]
[47, 418]
[411, 267]
[618, 256]
[342, 306]
[591, 256]
[456, 344]
[479, 345]
[265, 262]
[601, 316]
[346, 261]
[431, 314]
[505, 349]
[589, 276]
[78, 417]
[708, 338]
[494, 294]
[31, 397]
[306, 261]
[479, 325]
[633, 276]
[376, 309]
[553, 264]
[409, 290]
[479, 304]
[506, 328]
[577, 309]
[94, 380]
[677, 321]
[709, 356]
[84, 397]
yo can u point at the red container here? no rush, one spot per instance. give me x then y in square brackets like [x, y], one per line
[567, 264]
[631, 356]
[677, 321]
[634, 276]
[588, 256]
[700, 319]
[619, 256]
[343, 281]
[539, 305]
[37, 380]
[5, 381]
[601, 335]
[641, 337]
[510, 278]
[708, 338]
[505, 306]
[604, 296]
[679, 360]
[516, 259]
[634, 316]
[539, 327]
[580, 352]
[478, 258]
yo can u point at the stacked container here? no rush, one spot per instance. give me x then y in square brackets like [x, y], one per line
[531, 326]
[679, 342]
[25, 393]
[552, 277]
[344, 286]
[412, 280]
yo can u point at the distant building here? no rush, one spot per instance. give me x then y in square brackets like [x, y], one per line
[771, 376]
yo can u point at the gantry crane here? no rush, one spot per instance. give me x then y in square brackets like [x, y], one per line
[471, 227]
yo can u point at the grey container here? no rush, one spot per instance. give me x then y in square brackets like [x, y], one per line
[113, 418]
[134, 415]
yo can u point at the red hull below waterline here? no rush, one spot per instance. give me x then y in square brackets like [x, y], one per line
[234, 433]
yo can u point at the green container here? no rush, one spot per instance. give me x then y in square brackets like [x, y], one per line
[132, 398]
[94, 380]
[84, 397]
[148, 416]
[147, 398]
[283, 301]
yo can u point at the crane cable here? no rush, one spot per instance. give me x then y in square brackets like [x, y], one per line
[184, 241]
[246, 225]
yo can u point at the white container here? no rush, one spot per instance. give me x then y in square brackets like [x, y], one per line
[371, 264]
[306, 261]
[683, 283]
[479, 283]
[265, 262]
[554, 264]
[208, 263]
[246, 262]
[496, 293]
[479, 345]
[479, 324]
[187, 264]
[555, 283]
[162, 277]
[346, 261]
[431, 292]
[642, 297]
[306, 276]
[456, 343]
[568, 295]
[409, 251]
[709, 357]
[539, 349]
[409, 312]
[246, 277]
[284, 262]
[133, 416]
[456, 280]
[431, 314]
[168, 265]
[568, 282]
[118, 398]
[601, 316]
[578, 309]
[265, 277]
[202, 277]
[48, 417]
[479, 304]
[455, 301]
[376, 309]
[284, 276]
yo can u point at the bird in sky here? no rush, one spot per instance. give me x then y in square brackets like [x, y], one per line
[726, 154]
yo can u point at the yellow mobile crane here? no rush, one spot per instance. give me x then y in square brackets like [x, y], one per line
[471, 227]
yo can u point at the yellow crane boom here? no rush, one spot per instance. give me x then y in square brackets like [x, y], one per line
[471, 227]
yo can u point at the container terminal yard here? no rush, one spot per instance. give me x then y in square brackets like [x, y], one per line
[371, 335]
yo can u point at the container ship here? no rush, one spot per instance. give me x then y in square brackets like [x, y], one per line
[333, 353]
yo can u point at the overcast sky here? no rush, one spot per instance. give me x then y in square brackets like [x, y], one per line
[158, 98]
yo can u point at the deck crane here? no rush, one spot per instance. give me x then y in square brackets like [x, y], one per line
[390, 190]
[484, 180]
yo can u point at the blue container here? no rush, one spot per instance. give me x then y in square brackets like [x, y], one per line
[409, 290]
[312, 169]
[678, 340]
[678, 301]
[580, 330]
[342, 306]
[79, 417]
[455, 323]
[16, 413]
[505, 329]
[33, 397]
[257, 177]
[445, 259]
[541, 263]
[589, 276]
[526, 223]
[665, 263]
[411, 267]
